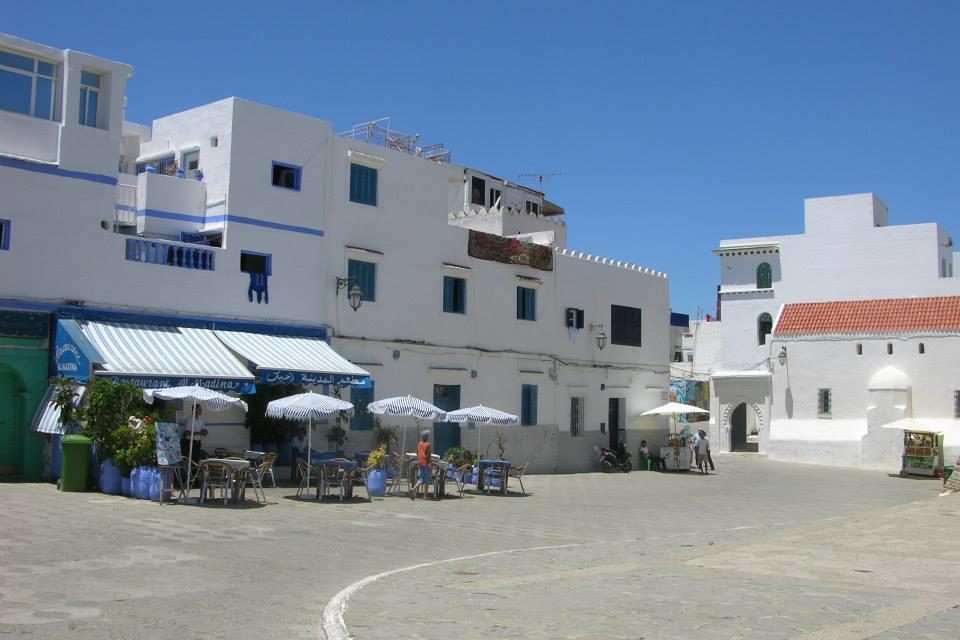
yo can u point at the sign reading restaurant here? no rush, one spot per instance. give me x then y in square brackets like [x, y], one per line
[489, 246]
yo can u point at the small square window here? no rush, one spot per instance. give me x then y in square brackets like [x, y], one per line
[859, 349]
[533, 207]
[526, 303]
[251, 262]
[496, 198]
[454, 295]
[286, 176]
[824, 403]
[889, 348]
[4, 235]
[921, 349]
[626, 325]
[956, 404]
[477, 188]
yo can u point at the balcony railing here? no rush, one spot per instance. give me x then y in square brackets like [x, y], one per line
[169, 254]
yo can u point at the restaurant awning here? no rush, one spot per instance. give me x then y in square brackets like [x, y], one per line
[47, 417]
[156, 356]
[294, 360]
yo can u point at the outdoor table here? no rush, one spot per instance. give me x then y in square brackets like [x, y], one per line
[439, 478]
[347, 466]
[237, 467]
[501, 466]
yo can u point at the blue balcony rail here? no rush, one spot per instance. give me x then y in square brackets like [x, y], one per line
[171, 255]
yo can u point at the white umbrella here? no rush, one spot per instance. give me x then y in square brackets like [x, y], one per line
[207, 398]
[673, 409]
[307, 407]
[407, 406]
[482, 415]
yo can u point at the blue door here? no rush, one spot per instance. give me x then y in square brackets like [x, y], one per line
[446, 434]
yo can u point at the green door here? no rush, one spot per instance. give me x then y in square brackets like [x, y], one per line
[9, 422]
[446, 434]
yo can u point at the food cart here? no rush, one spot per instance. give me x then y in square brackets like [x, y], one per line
[676, 453]
[922, 453]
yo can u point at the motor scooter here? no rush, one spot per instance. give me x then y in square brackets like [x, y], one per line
[609, 460]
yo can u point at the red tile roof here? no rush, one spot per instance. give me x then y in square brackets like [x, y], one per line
[898, 315]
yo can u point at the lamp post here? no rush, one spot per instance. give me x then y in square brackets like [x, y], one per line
[782, 356]
[354, 294]
[601, 337]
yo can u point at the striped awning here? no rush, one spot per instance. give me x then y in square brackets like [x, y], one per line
[293, 359]
[156, 356]
[47, 417]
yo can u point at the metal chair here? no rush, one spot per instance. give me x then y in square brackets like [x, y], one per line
[256, 457]
[304, 470]
[216, 475]
[332, 476]
[399, 466]
[253, 476]
[517, 472]
[359, 478]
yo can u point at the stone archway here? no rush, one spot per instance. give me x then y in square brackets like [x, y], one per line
[736, 428]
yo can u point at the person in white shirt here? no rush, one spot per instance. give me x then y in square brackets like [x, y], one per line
[703, 451]
[192, 430]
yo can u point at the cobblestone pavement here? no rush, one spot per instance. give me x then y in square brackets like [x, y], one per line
[757, 550]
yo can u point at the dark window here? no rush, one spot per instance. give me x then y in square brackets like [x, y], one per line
[528, 404]
[576, 417]
[526, 303]
[364, 275]
[286, 176]
[859, 349]
[532, 207]
[678, 356]
[363, 184]
[574, 318]
[764, 327]
[362, 419]
[764, 277]
[254, 262]
[4, 235]
[824, 402]
[477, 187]
[956, 404]
[889, 348]
[454, 295]
[626, 325]
[921, 349]
[495, 194]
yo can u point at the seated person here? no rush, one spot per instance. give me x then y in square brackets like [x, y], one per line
[645, 455]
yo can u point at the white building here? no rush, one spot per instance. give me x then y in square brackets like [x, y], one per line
[274, 221]
[847, 251]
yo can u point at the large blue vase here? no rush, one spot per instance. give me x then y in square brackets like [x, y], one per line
[377, 483]
[154, 484]
[125, 486]
[109, 477]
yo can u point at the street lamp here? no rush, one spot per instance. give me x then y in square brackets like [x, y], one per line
[782, 356]
[355, 293]
[601, 336]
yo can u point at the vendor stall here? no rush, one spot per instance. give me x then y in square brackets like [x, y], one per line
[676, 453]
[922, 453]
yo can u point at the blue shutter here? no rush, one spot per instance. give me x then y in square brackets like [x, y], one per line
[532, 315]
[448, 303]
[528, 404]
[363, 184]
[533, 404]
[362, 419]
[460, 298]
[520, 303]
[364, 275]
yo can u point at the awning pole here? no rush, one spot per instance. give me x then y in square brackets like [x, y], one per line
[193, 417]
[309, 449]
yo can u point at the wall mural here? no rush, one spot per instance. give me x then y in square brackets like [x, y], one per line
[489, 246]
[692, 392]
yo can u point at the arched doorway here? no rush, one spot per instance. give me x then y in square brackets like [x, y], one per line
[744, 434]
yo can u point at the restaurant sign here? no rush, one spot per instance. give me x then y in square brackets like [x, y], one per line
[237, 385]
[272, 376]
[489, 246]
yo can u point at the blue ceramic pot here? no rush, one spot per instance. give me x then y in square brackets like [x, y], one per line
[109, 478]
[377, 483]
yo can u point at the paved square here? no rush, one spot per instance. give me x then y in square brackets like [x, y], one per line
[760, 549]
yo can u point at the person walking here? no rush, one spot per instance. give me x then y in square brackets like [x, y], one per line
[709, 457]
[703, 451]
[423, 467]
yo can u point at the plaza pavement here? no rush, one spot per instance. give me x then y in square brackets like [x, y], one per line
[758, 550]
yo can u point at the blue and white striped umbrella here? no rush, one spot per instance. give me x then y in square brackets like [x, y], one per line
[207, 398]
[307, 407]
[407, 406]
[482, 415]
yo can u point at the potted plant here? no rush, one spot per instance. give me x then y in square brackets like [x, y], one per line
[336, 436]
[377, 476]
[108, 407]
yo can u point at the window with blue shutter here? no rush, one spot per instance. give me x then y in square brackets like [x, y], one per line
[764, 276]
[364, 275]
[454, 295]
[362, 419]
[528, 405]
[363, 184]
[526, 303]
[626, 325]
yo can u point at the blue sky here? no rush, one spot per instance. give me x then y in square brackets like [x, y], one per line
[675, 124]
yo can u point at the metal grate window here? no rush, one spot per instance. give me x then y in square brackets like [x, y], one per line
[824, 403]
[956, 404]
[576, 417]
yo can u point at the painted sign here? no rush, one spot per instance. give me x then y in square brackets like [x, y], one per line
[270, 376]
[692, 392]
[489, 246]
[159, 382]
[68, 360]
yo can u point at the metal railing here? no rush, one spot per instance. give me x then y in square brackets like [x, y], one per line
[169, 254]
[378, 132]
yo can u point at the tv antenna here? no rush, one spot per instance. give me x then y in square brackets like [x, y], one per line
[540, 176]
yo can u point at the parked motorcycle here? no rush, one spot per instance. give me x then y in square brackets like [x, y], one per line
[611, 460]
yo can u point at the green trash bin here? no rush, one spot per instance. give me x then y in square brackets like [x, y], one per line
[76, 461]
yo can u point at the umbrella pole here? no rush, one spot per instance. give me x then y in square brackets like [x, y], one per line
[193, 418]
[309, 449]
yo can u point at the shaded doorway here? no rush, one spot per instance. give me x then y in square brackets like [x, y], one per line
[446, 435]
[738, 428]
[615, 414]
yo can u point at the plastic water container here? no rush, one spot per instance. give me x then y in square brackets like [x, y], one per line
[109, 477]
[154, 474]
[377, 482]
[125, 486]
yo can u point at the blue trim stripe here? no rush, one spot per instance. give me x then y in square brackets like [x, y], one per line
[13, 163]
[125, 207]
[256, 222]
